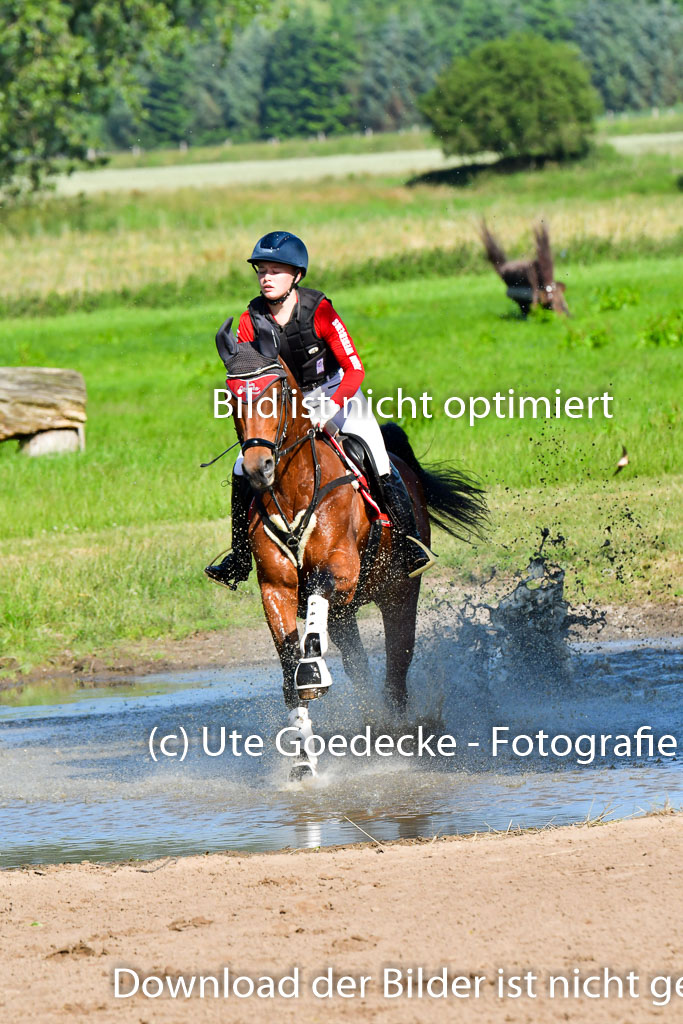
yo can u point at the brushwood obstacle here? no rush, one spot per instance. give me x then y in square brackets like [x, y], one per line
[43, 408]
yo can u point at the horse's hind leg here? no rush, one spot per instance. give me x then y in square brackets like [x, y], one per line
[399, 614]
[344, 633]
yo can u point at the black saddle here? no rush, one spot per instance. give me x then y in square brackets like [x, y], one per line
[361, 456]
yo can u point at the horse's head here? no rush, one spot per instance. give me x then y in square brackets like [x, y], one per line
[552, 297]
[260, 393]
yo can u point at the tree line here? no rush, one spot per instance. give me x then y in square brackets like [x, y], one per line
[366, 65]
[77, 75]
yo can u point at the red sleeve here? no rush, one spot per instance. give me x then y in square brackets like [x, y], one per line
[245, 328]
[330, 327]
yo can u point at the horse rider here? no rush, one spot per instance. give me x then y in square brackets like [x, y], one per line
[317, 348]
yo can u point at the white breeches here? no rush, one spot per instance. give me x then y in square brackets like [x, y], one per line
[358, 420]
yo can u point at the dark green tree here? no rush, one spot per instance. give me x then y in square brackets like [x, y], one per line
[634, 51]
[62, 61]
[239, 83]
[520, 96]
[306, 86]
[169, 103]
[400, 67]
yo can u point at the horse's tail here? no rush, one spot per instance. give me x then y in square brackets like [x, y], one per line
[455, 502]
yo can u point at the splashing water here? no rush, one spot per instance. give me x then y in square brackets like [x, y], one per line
[78, 780]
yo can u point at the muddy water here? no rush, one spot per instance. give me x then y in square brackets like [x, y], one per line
[78, 780]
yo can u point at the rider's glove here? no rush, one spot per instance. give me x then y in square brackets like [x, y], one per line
[320, 409]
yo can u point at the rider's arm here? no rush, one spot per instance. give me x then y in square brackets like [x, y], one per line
[330, 327]
[245, 329]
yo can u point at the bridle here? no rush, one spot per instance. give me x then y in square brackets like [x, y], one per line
[284, 417]
[290, 534]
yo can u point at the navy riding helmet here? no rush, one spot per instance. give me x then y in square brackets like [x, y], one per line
[281, 247]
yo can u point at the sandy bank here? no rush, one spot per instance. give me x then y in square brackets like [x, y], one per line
[586, 897]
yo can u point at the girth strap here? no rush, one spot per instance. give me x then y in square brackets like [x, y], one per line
[348, 478]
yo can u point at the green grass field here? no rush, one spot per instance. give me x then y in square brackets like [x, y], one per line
[642, 122]
[135, 248]
[628, 123]
[108, 547]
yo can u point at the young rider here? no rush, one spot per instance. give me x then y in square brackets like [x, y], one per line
[317, 348]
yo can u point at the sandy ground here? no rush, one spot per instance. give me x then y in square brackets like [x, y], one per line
[590, 898]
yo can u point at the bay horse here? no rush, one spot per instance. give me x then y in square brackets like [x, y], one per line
[321, 543]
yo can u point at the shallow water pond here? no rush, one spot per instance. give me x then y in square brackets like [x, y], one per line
[78, 780]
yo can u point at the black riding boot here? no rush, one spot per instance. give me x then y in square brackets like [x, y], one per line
[416, 556]
[236, 565]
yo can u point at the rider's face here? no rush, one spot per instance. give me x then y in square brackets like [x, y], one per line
[275, 279]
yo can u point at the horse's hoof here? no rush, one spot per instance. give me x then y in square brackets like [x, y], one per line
[312, 678]
[301, 771]
[311, 694]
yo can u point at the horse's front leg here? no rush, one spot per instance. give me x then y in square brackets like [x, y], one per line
[330, 581]
[344, 632]
[312, 677]
[280, 605]
[304, 670]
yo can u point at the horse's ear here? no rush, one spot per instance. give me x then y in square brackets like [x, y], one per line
[266, 340]
[226, 342]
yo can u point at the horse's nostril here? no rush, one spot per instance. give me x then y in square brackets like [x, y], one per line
[268, 466]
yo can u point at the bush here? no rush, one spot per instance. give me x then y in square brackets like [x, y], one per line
[520, 96]
[664, 331]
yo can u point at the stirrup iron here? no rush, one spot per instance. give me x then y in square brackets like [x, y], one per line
[429, 554]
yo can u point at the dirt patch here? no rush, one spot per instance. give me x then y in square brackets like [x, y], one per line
[229, 648]
[584, 898]
[638, 622]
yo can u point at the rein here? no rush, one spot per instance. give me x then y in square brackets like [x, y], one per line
[291, 535]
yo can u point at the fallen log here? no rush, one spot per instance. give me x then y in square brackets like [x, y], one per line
[38, 399]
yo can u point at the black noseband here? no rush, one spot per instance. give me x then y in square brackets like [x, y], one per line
[259, 442]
